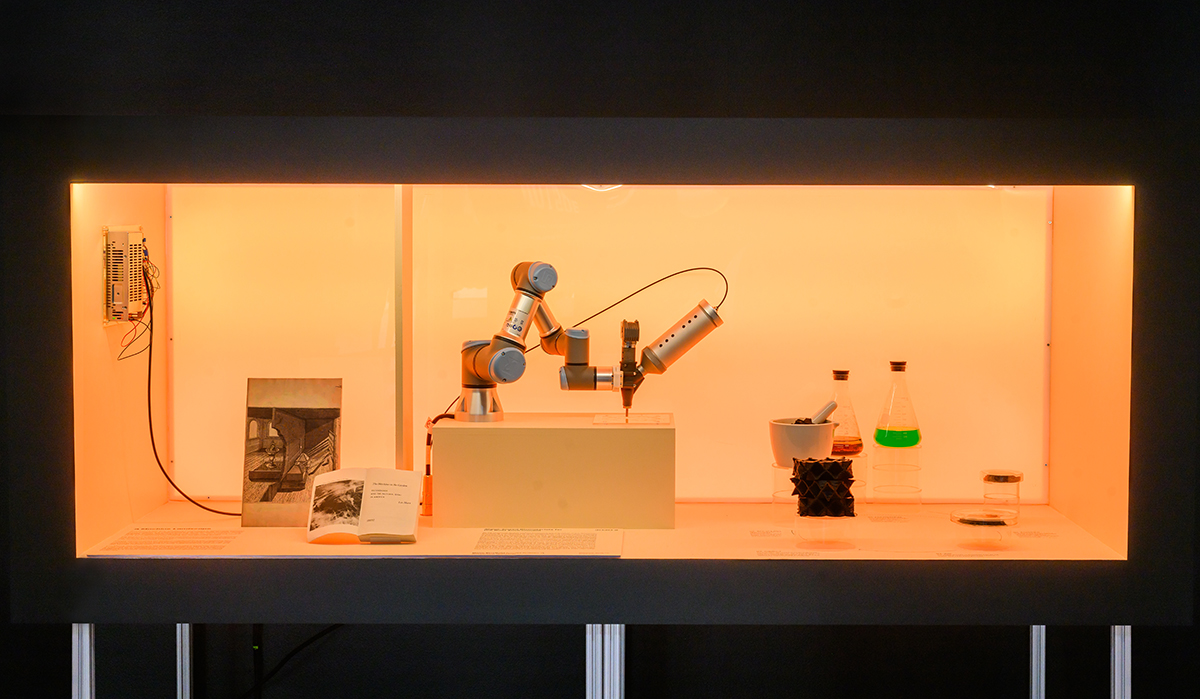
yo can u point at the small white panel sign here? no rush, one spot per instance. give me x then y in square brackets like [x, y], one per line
[635, 419]
[550, 542]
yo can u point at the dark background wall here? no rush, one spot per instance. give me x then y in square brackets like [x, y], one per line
[1128, 60]
[600, 59]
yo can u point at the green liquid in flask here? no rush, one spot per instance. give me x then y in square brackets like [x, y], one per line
[897, 438]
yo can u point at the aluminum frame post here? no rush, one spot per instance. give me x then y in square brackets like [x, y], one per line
[605, 659]
[83, 661]
[183, 661]
[1037, 662]
[1121, 662]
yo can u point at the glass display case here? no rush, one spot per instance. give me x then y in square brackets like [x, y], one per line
[970, 283]
[1019, 292]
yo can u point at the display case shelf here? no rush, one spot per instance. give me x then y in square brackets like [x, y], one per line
[703, 531]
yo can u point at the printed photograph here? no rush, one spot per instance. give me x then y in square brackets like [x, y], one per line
[338, 502]
[293, 427]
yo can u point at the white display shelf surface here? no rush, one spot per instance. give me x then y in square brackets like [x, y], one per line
[702, 531]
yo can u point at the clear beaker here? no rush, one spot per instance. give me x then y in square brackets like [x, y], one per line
[861, 466]
[1002, 490]
[896, 476]
[824, 533]
[783, 498]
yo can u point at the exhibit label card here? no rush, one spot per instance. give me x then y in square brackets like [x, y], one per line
[550, 542]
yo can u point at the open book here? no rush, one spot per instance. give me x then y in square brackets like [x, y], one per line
[372, 505]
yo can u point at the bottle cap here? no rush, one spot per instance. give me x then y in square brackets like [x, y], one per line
[841, 374]
[1002, 476]
[898, 366]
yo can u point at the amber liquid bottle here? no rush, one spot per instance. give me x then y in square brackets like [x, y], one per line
[847, 440]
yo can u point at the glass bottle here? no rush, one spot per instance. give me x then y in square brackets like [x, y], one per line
[847, 440]
[897, 426]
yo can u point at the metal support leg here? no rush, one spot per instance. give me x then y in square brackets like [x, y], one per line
[1122, 661]
[614, 660]
[183, 661]
[594, 660]
[605, 661]
[83, 661]
[1037, 662]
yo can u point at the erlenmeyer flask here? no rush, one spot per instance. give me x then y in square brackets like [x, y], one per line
[847, 440]
[897, 426]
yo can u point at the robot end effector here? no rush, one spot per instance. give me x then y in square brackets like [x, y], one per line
[659, 355]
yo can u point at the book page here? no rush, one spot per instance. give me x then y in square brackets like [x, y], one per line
[391, 505]
[337, 503]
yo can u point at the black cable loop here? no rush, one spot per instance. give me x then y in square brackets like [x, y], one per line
[663, 279]
[150, 420]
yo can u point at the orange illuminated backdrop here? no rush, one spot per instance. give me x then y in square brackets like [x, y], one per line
[1012, 306]
[279, 282]
[952, 280]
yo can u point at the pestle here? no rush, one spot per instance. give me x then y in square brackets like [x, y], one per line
[824, 412]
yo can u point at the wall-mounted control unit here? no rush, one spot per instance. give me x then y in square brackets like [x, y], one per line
[124, 286]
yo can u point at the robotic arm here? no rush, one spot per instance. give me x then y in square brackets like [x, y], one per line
[486, 364]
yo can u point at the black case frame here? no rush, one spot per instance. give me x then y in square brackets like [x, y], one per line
[43, 155]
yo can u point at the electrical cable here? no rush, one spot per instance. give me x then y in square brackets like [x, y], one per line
[150, 413]
[125, 348]
[433, 421]
[446, 414]
[150, 285]
[133, 326]
[673, 274]
[257, 688]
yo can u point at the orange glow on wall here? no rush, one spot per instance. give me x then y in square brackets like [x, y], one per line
[116, 478]
[953, 280]
[279, 282]
[1092, 340]
[1011, 305]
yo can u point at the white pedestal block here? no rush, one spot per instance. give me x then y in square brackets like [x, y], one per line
[554, 470]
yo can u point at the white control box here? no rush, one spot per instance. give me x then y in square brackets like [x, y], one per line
[124, 287]
[535, 470]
